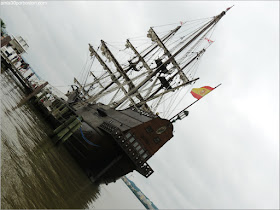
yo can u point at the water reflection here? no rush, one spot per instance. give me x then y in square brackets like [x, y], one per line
[34, 172]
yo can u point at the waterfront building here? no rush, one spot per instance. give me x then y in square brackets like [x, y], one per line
[19, 45]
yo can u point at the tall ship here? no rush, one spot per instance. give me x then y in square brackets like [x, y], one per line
[121, 110]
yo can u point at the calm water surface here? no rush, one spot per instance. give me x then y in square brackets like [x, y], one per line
[37, 174]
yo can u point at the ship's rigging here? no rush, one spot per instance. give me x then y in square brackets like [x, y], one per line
[150, 72]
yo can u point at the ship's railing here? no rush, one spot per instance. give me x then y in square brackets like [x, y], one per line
[142, 112]
[141, 165]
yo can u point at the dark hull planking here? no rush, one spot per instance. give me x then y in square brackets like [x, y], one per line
[112, 143]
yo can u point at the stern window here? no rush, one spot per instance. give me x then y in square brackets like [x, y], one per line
[141, 151]
[149, 129]
[157, 140]
[127, 135]
[131, 139]
[139, 147]
[144, 156]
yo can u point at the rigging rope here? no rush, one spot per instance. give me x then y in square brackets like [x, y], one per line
[80, 75]
[168, 116]
[171, 102]
[176, 40]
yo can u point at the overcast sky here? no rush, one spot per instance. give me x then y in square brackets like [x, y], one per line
[225, 154]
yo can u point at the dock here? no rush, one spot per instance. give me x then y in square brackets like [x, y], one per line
[54, 109]
[11, 67]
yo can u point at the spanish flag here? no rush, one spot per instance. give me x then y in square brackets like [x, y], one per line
[200, 92]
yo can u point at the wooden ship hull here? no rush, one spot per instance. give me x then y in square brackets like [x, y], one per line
[111, 143]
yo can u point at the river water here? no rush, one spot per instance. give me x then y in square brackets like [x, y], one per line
[36, 174]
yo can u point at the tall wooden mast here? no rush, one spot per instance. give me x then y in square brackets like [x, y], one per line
[166, 51]
[123, 72]
[168, 74]
[113, 77]
[171, 58]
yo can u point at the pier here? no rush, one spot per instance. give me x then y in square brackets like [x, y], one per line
[10, 66]
[54, 109]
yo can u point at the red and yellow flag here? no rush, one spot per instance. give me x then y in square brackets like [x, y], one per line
[200, 92]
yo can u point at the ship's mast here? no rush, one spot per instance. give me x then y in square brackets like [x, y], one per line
[164, 39]
[128, 44]
[171, 58]
[123, 73]
[113, 77]
[166, 51]
[141, 58]
[171, 78]
[130, 83]
[154, 96]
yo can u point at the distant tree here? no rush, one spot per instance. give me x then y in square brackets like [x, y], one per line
[3, 26]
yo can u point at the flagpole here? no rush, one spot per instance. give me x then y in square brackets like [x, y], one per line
[184, 111]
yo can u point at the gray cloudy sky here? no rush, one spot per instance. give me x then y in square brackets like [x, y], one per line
[225, 154]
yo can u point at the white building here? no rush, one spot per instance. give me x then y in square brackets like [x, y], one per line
[9, 52]
[19, 44]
